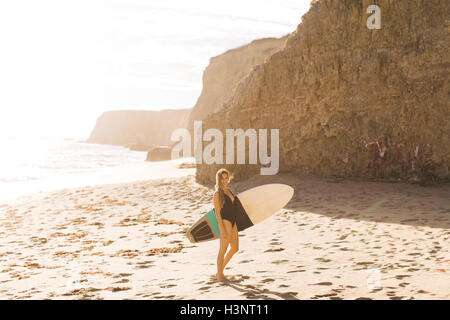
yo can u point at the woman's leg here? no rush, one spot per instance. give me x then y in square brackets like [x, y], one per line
[224, 241]
[234, 245]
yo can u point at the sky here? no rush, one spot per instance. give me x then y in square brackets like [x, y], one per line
[64, 63]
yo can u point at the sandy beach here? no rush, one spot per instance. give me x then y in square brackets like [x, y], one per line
[336, 239]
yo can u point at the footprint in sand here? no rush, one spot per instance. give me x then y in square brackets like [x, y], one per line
[144, 265]
[396, 298]
[204, 288]
[279, 261]
[351, 287]
[322, 284]
[122, 275]
[164, 286]
[122, 281]
[413, 270]
[294, 271]
[327, 295]
[274, 250]
[253, 296]
[246, 261]
[288, 295]
[323, 260]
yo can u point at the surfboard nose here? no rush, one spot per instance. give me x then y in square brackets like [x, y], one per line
[289, 190]
[285, 190]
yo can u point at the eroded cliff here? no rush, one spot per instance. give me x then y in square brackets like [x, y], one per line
[138, 129]
[352, 101]
[225, 71]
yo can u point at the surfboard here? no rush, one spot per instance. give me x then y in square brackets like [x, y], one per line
[252, 206]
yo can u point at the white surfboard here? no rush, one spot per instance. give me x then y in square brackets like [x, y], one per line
[252, 206]
[263, 201]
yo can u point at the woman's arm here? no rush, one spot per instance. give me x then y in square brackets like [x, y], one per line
[218, 213]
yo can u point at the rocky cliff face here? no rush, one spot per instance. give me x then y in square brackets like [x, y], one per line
[225, 71]
[351, 101]
[139, 130]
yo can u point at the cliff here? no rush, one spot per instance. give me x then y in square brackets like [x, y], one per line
[139, 130]
[225, 71]
[143, 130]
[352, 101]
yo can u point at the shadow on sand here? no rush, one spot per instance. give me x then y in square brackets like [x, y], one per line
[388, 202]
[252, 292]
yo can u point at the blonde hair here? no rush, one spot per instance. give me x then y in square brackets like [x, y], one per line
[218, 186]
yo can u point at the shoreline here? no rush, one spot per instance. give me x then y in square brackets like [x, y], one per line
[334, 240]
[127, 173]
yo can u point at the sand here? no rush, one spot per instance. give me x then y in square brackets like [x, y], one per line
[336, 239]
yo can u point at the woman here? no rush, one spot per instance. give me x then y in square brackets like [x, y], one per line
[225, 212]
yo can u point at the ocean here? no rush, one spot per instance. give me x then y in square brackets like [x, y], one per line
[44, 164]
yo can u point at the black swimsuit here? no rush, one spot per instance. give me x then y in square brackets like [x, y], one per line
[228, 211]
[234, 212]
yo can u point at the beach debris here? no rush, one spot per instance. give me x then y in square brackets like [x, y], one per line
[116, 289]
[165, 221]
[163, 234]
[63, 254]
[142, 217]
[128, 253]
[156, 251]
[33, 265]
[79, 220]
[98, 224]
[75, 292]
[72, 236]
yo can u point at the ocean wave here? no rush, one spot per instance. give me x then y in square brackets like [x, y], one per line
[60, 159]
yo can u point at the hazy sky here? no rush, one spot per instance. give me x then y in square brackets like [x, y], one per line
[63, 63]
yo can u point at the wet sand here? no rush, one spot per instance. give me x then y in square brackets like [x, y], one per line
[336, 239]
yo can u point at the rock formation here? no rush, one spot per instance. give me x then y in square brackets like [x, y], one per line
[161, 153]
[138, 130]
[349, 100]
[225, 71]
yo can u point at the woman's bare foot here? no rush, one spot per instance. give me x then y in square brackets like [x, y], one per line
[221, 277]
